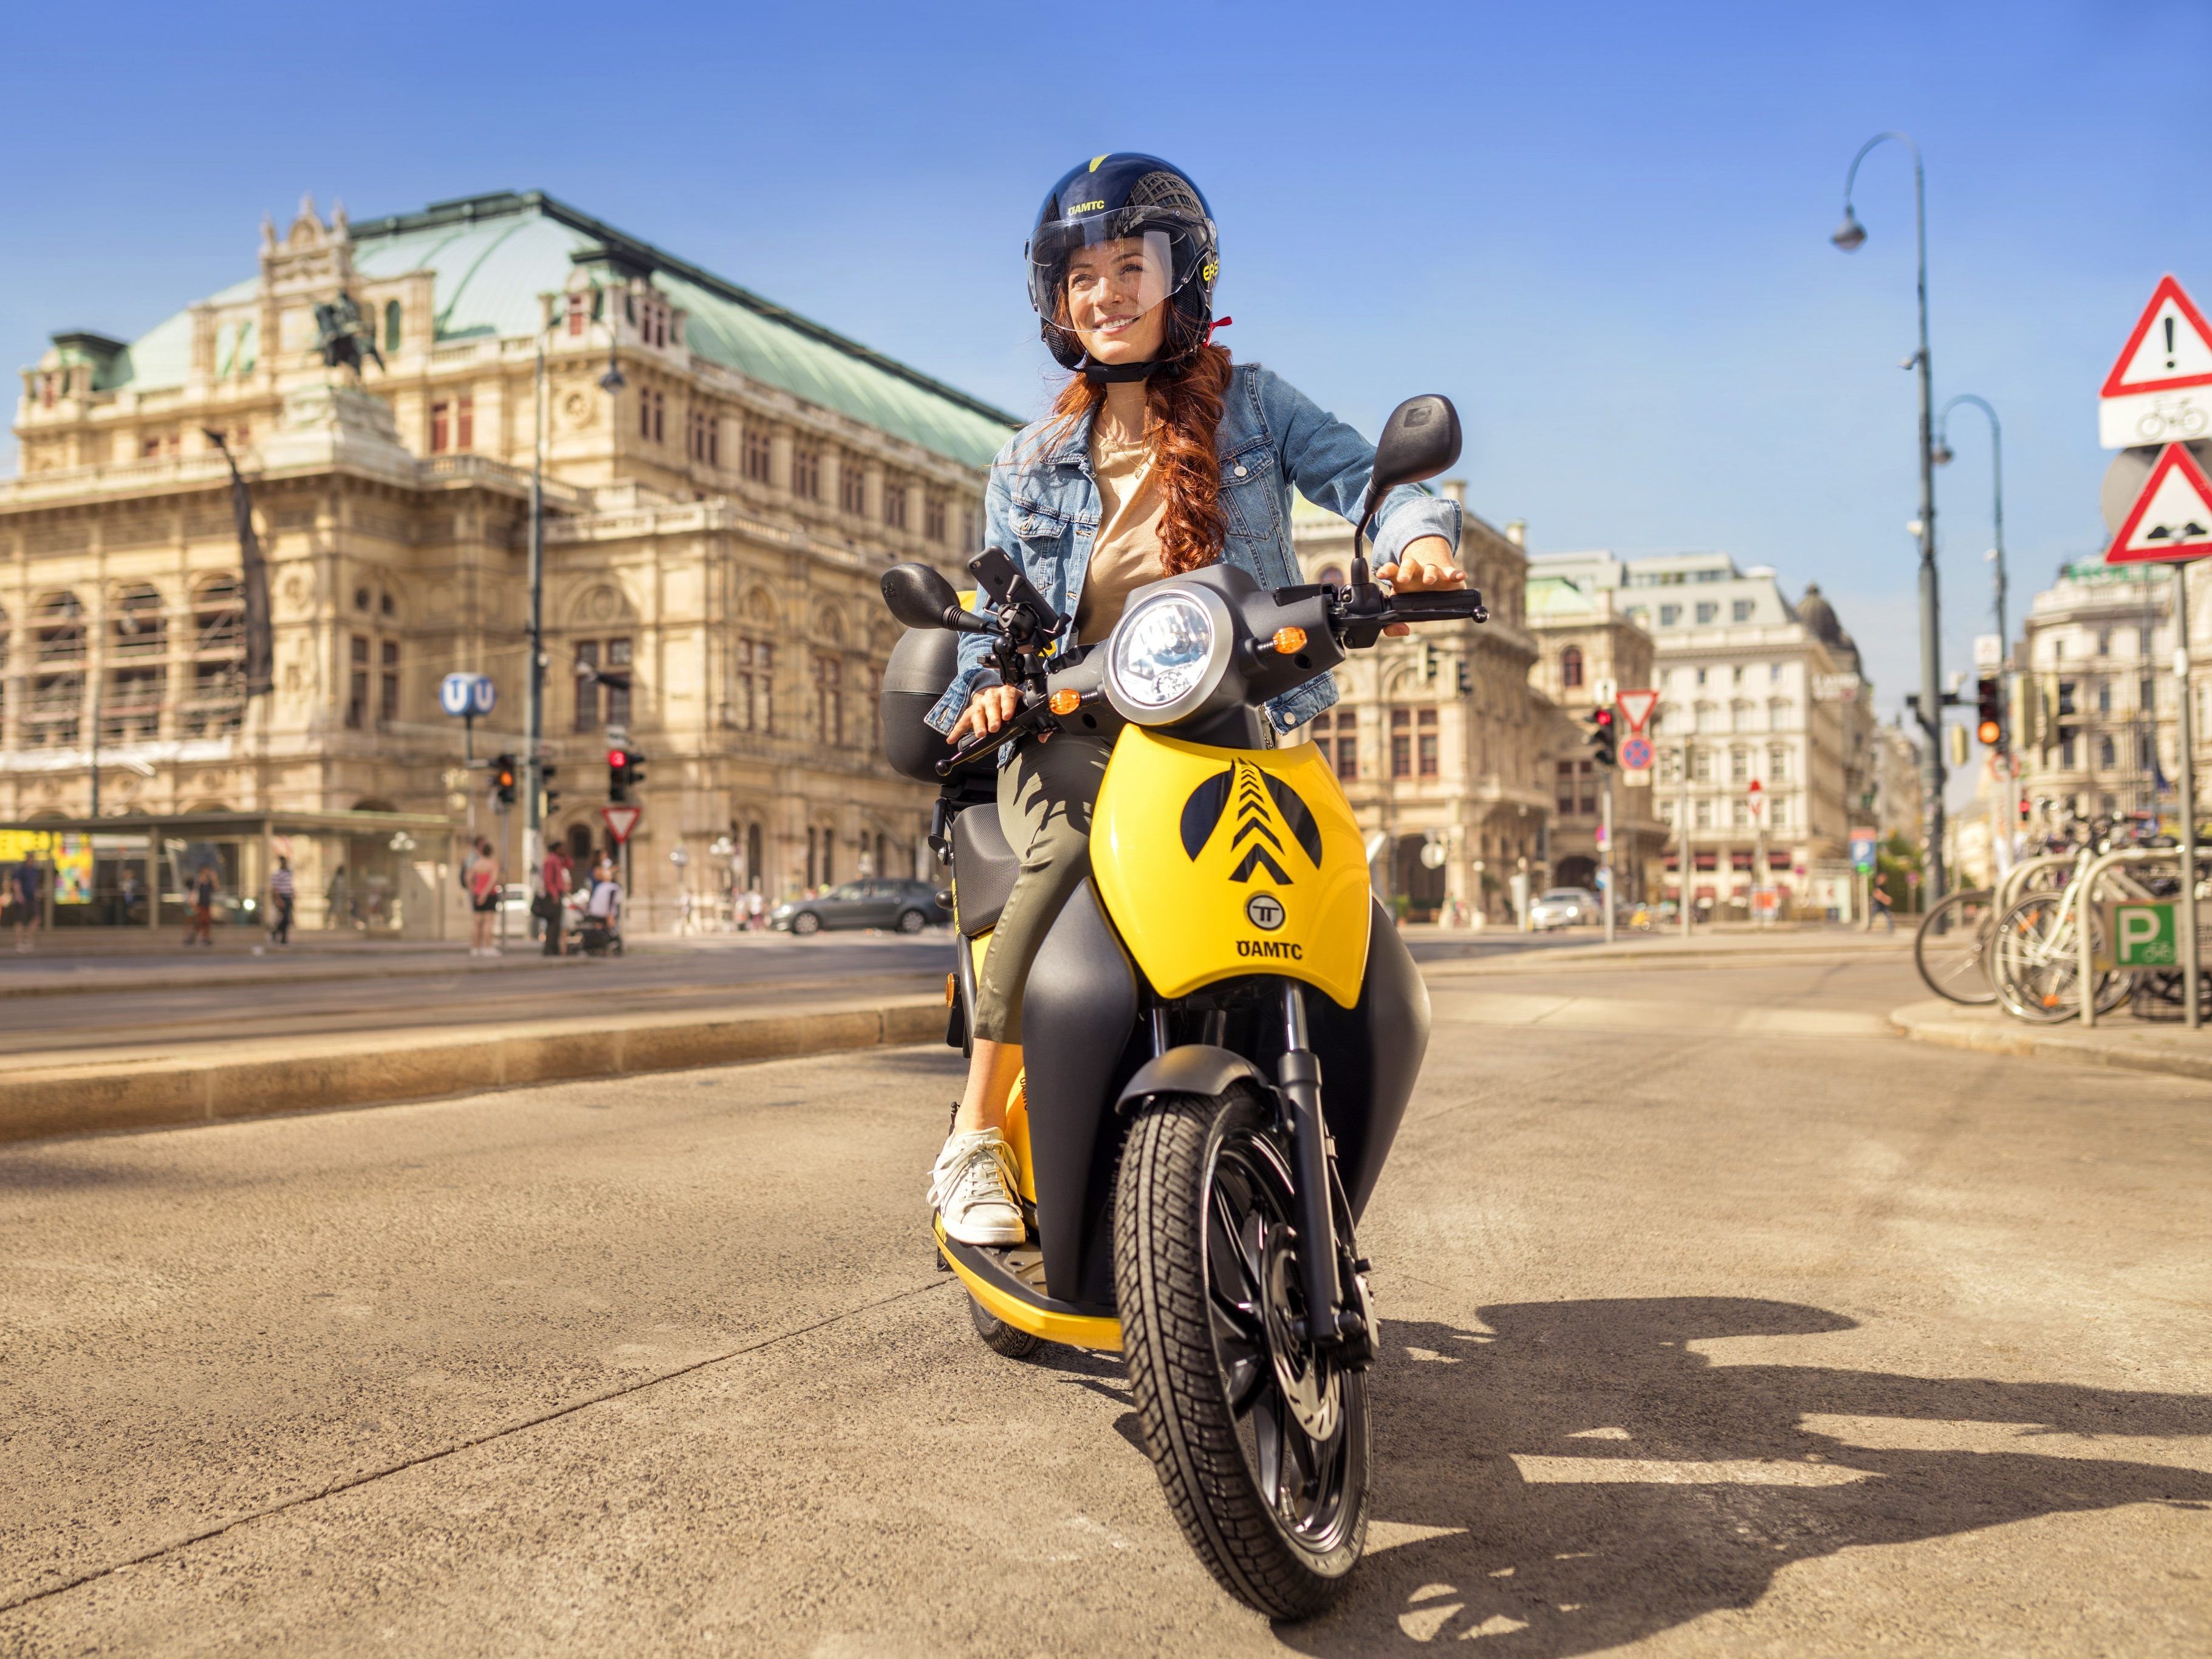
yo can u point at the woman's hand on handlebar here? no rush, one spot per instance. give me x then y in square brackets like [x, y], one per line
[1427, 566]
[990, 709]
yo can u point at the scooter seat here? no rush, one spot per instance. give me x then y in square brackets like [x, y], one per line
[983, 869]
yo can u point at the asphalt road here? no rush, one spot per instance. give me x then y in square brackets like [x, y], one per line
[1697, 1342]
[222, 998]
[342, 996]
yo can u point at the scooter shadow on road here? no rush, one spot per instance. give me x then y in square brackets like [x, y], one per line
[1576, 1477]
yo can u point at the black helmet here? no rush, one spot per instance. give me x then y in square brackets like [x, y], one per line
[1119, 197]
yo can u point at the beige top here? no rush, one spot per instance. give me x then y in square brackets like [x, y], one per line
[1126, 553]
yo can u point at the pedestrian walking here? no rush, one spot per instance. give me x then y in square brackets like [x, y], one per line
[282, 892]
[553, 881]
[337, 913]
[205, 883]
[1878, 902]
[27, 898]
[483, 876]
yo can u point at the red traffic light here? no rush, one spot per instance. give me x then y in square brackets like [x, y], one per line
[1600, 717]
[618, 758]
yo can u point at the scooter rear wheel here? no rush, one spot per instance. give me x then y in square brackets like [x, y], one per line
[999, 1336]
[1261, 1447]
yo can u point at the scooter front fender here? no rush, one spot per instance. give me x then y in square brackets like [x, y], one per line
[1195, 1068]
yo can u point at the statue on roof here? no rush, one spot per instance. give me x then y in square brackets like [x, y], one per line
[342, 334]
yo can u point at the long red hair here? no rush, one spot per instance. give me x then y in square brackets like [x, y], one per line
[1184, 406]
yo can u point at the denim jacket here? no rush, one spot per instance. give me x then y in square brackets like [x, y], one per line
[1041, 506]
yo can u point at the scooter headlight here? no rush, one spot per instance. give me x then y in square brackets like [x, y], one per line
[1168, 654]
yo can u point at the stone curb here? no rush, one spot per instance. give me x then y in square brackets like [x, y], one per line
[1951, 1026]
[163, 1090]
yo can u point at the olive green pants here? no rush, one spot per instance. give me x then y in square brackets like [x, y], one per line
[1045, 795]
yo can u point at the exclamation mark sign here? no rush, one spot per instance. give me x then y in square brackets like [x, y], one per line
[2169, 342]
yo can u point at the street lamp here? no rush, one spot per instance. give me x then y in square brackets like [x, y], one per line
[1848, 237]
[1944, 457]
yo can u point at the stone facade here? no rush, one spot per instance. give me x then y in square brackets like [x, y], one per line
[1441, 739]
[716, 522]
[2094, 712]
[1584, 637]
[1764, 691]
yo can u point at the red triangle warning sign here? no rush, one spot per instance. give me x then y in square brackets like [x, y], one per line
[2171, 347]
[2172, 519]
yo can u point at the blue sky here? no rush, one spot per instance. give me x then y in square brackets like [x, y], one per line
[1601, 229]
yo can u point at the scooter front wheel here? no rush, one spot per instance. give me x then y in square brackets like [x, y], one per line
[1260, 1444]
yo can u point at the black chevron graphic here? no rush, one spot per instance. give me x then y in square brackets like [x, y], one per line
[1254, 857]
[1256, 827]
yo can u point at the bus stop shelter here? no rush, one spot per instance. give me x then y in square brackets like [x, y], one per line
[381, 874]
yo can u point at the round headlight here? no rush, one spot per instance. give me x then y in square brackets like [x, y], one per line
[1167, 655]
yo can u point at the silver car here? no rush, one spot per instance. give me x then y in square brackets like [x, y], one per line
[1565, 907]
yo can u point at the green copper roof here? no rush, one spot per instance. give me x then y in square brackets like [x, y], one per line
[494, 255]
[1556, 596]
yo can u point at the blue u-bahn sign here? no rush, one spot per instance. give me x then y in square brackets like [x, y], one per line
[473, 695]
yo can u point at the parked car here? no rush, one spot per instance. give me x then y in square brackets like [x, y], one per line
[908, 906]
[1565, 907]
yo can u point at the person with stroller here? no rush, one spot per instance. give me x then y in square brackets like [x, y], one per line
[603, 912]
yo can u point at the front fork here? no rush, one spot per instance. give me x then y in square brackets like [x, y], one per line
[1330, 1323]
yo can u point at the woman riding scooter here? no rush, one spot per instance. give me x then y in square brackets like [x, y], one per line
[1159, 457]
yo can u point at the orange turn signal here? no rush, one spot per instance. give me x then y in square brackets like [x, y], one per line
[951, 989]
[1288, 640]
[1065, 702]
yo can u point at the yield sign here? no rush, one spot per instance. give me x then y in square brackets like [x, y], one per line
[2170, 349]
[2172, 519]
[1638, 706]
[621, 820]
[2160, 389]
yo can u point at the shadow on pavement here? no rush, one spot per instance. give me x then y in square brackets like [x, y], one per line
[1574, 1477]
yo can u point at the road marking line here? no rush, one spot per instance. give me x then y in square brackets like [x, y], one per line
[1668, 1471]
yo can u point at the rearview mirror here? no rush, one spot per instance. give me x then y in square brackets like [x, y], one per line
[919, 596]
[1420, 439]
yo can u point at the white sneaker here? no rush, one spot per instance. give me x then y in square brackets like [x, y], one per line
[972, 1190]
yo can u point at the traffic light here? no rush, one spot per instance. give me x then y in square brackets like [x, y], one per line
[625, 771]
[503, 776]
[552, 796]
[1604, 736]
[1989, 717]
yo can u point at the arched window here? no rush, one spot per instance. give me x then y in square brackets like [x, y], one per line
[1571, 667]
[61, 628]
[140, 627]
[1331, 576]
[391, 325]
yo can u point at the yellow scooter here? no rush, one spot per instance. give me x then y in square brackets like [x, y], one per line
[1220, 1032]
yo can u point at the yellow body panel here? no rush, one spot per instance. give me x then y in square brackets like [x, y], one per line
[1215, 863]
[1018, 1135]
[1077, 1330]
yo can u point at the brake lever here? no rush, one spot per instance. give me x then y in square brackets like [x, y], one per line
[1031, 717]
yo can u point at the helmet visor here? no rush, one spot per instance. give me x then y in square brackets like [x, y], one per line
[1097, 276]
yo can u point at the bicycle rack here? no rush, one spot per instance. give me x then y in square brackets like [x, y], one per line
[2014, 882]
[2087, 887]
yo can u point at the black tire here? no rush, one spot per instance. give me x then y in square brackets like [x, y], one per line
[1952, 949]
[911, 922]
[805, 923]
[999, 1336]
[1203, 1364]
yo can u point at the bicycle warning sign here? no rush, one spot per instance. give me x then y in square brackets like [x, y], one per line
[2160, 389]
